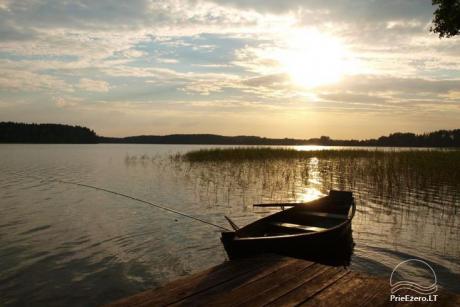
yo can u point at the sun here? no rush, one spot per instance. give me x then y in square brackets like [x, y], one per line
[312, 59]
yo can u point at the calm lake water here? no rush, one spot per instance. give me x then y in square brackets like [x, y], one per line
[66, 245]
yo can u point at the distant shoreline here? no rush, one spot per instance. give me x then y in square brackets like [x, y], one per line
[230, 145]
[24, 133]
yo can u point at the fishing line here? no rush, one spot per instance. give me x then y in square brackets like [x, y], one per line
[136, 199]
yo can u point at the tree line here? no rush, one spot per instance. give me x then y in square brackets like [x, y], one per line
[11, 132]
[440, 138]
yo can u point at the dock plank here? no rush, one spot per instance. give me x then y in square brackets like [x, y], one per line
[352, 290]
[311, 287]
[239, 289]
[185, 287]
[270, 280]
[279, 289]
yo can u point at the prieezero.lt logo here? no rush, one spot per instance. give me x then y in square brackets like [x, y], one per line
[419, 286]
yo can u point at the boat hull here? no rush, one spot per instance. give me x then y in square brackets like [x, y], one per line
[333, 246]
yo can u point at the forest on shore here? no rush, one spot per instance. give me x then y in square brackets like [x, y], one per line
[11, 132]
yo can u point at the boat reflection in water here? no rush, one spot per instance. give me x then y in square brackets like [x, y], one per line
[319, 230]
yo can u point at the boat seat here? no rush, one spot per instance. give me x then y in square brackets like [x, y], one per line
[298, 226]
[325, 215]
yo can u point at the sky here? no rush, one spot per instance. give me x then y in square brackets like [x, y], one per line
[291, 68]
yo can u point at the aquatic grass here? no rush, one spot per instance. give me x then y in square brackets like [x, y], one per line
[255, 173]
[432, 161]
[267, 153]
[280, 170]
[270, 153]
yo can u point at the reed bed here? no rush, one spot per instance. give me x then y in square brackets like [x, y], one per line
[270, 153]
[385, 172]
[426, 162]
[255, 174]
[267, 153]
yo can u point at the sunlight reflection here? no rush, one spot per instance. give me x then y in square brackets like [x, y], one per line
[310, 194]
[309, 147]
[314, 174]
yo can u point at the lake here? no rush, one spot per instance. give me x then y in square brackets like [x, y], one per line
[64, 244]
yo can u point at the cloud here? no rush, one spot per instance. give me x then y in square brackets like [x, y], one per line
[268, 81]
[133, 53]
[4, 5]
[415, 86]
[18, 80]
[93, 85]
[66, 102]
[167, 61]
[355, 10]
[345, 97]
[454, 95]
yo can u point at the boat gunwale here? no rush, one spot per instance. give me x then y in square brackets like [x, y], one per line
[288, 236]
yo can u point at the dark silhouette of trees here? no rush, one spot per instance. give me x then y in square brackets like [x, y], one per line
[202, 139]
[45, 133]
[54, 133]
[446, 18]
[441, 138]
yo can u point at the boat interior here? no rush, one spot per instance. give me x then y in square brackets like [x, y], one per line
[313, 217]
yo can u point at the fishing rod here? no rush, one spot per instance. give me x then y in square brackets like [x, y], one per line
[136, 199]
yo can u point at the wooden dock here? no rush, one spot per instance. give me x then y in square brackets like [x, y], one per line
[276, 281]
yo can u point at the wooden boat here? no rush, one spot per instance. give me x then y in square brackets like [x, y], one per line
[320, 227]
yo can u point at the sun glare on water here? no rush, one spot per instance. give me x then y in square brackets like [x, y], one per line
[310, 194]
[312, 59]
